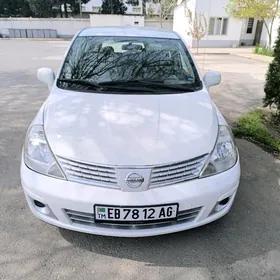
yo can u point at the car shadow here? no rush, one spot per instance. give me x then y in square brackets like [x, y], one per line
[249, 230]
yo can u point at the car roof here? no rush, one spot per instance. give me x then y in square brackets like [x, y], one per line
[129, 32]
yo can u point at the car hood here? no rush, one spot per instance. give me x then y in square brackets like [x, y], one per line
[122, 129]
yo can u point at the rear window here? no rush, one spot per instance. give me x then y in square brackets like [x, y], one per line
[113, 59]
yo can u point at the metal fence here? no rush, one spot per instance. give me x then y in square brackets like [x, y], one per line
[32, 33]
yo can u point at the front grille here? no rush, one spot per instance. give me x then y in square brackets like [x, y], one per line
[87, 219]
[173, 173]
[92, 174]
[106, 176]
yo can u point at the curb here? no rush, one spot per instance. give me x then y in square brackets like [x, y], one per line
[38, 39]
[265, 59]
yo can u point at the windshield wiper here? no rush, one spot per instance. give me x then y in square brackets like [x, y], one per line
[106, 86]
[142, 85]
[81, 82]
[153, 83]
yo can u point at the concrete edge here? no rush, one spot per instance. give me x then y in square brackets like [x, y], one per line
[39, 39]
[258, 57]
[210, 53]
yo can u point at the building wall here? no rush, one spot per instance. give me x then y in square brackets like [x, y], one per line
[65, 27]
[216, 8]
[210, 8]
[264, 37]
[181, 21]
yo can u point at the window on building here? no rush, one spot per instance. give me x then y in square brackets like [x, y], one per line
[95, 9]
[218, 26]
[211, 26]
[133, 2]
[136, 9]
[83, 8]
[250, 25]
[225, 26]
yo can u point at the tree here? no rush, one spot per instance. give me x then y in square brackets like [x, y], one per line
[272, 83]
[113, 7]
[198, 26]
[150, 12]
[166, 9]
[144, 6]
[43, 8]
[265, 10]
[15, 8]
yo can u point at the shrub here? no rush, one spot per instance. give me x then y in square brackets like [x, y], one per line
[262, 51]
[257, 47]
[253, 125]
[272, 83]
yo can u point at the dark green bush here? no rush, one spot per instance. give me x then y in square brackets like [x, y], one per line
[272, 83]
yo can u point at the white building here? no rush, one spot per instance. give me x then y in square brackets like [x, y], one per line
[134, 7]
[223, 30]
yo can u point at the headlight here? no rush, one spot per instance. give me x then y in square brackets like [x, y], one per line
[37, 154]
[224, 155]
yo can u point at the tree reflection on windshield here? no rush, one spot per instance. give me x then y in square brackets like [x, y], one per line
[102, 59]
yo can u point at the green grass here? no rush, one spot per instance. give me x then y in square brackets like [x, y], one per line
[254, 125]
[263, 51]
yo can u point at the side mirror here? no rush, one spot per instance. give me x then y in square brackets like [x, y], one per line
[212, 78]
[46, 76]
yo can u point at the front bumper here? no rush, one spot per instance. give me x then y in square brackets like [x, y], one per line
[60, 197]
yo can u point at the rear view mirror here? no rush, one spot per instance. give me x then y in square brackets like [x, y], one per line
[132, 47]
[212, 78]
[46, 76]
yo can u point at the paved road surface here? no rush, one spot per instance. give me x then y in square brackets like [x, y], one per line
[243, 245]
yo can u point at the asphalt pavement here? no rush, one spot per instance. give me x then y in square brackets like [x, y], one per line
[243, 245]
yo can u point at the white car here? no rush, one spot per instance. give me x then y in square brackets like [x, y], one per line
[129, 142]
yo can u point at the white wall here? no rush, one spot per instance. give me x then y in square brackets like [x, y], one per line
[210, 8]
[181, 22]
[216, 8]
[69, 27]
[65, 27]
[264, 37]
[116, 20]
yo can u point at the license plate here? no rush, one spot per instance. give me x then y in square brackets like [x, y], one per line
[105, 213]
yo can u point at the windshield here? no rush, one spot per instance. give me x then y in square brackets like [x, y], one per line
[129, 63]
